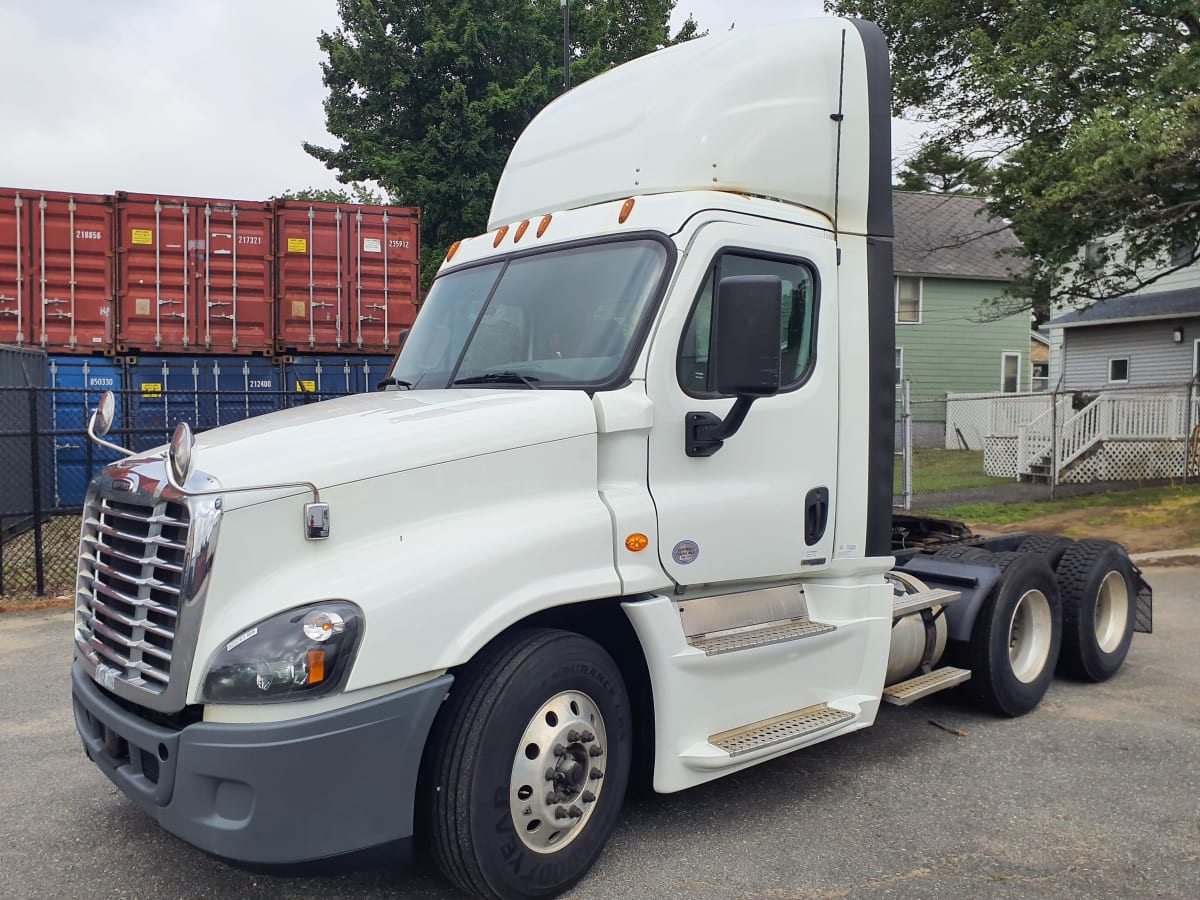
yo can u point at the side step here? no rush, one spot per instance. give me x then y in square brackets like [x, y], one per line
[729, 640]
[905, 692]
[905, 604]
[780, 729]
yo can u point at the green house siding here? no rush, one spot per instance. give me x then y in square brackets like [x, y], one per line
[953, 351]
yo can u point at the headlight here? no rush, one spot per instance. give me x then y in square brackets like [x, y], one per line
[305, 652]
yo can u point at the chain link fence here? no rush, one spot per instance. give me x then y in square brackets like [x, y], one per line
[47, 461]
[972, 448]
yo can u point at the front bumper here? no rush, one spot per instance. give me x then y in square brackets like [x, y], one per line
[279, 792]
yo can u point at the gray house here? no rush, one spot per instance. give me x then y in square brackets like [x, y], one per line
[1135, 341]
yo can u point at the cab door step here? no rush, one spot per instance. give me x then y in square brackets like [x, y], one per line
[905, 692]
[732, 639]
[780, 729]
[905, 604]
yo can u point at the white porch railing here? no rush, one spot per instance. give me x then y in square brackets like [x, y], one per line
[1124, 416]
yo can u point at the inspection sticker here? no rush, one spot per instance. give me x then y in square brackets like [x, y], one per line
[151, 389]
[372, 245]
[241, 638]
[141, 236]
[297, 245]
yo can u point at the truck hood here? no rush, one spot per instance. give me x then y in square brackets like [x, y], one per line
[369, 435]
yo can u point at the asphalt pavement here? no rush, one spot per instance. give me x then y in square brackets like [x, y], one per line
[1095, 794]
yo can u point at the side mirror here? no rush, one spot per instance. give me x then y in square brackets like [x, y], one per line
[743, 355]
[104, 414]
[745, 335]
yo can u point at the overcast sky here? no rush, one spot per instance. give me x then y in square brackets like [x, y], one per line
[207, 98]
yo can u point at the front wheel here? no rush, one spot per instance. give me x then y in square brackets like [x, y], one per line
[528, 765]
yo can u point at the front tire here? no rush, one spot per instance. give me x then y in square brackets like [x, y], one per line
[1016, 637]
[528, 764]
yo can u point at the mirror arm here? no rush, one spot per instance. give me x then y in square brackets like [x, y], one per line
[705, 432]
[91, 432]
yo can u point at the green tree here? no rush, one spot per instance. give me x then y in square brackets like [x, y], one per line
[936, 167]
[428, 98]
[1090, 111]
[359, 194]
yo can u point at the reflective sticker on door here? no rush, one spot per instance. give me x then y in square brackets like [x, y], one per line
[685, 552]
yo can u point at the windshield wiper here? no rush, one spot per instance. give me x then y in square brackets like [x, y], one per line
[392, 381]
[500, 378]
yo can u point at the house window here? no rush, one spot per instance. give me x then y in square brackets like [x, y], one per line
[1010, 373]
[900, 363]
[1096, 253]
[1041, 377]
[1118, 370]
[908, 300]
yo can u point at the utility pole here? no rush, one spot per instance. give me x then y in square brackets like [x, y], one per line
[566, 45]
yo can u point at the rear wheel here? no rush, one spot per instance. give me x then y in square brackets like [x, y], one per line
[1099, 595]
[528, 765]
[1050, 546]
[1016, 637]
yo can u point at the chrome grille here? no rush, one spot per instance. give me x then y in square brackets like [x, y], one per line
[129, 592]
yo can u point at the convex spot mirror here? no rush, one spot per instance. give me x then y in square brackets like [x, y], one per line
[179, 454]
[106, 410]
[746, 334]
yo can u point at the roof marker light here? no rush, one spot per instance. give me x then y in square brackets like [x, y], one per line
[626, 209]
[520, 231]
[500, 235]
[453, 249]
[543, 225]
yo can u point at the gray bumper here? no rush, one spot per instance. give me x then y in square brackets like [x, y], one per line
[280, 792]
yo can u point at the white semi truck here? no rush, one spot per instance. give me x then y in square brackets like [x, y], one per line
[623, 504]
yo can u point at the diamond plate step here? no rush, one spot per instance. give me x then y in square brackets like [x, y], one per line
[717, 642]
[904, 604]
[906, 692]
[780, 729]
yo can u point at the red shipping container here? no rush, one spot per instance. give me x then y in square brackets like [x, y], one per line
[193, 275]
[56, 271]
[347, 276]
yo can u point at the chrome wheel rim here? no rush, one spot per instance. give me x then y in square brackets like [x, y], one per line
[1112, 611]
[1029, 636]
[558, 772]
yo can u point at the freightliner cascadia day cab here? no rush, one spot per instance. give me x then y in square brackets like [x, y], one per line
[623, 504]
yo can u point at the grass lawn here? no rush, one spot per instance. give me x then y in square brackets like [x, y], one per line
[945, 470]
[1154, 518]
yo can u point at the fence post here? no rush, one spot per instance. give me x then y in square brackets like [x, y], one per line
[1053, 442]
[908, 445]
[36, 465]
[1187, 431]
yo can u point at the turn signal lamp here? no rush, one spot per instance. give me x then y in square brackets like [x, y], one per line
[637, 542]
[626, 209]
[453, 249]
[316, 666]
[500, 235]
[520, 231]
[543, 225]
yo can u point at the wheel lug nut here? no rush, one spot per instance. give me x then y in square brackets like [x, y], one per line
[575, 812]
[561, 813]
[596, 773]
[550, 774]
[587, 737]
[587, 796]
[552, 798]
[559, 749]
[595, 751]
[573, 736]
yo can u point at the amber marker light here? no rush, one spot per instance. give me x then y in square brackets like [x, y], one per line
[453, 249]
[543, 225]
[521, 231]
[637, 542]
[500, 235]
[626, 209]
[316, 666]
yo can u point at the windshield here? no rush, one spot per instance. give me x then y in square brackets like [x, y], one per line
[562, 318]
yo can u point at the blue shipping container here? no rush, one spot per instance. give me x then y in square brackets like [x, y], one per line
[310, 378]
[245, 387]
[78, 382]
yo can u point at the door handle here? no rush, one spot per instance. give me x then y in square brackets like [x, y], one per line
[816, 515]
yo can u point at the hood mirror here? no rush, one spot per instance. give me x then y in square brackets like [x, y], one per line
[180, 456]
[101, 422]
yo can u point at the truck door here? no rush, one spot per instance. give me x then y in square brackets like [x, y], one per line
[763, 505]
